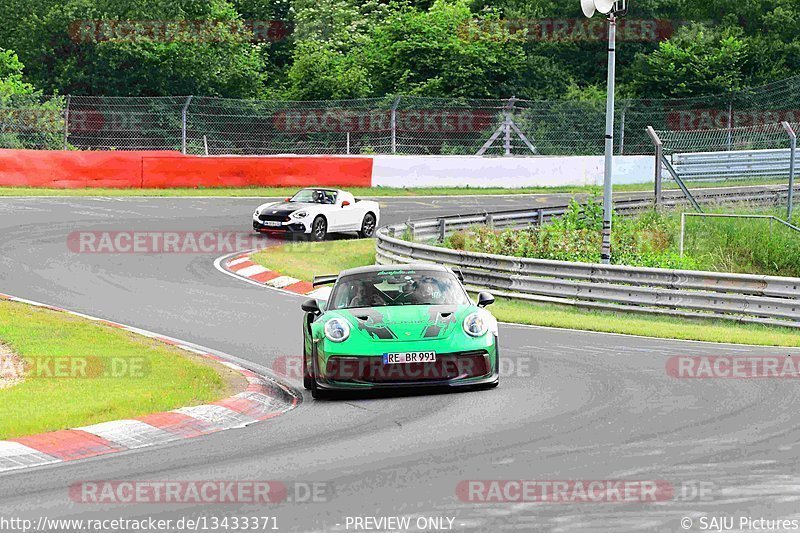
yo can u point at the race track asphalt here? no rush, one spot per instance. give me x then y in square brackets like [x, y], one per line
[571, 405]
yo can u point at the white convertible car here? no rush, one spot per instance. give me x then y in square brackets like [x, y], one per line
[316, 212]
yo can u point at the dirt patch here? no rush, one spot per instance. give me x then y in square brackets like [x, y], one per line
[12, 368]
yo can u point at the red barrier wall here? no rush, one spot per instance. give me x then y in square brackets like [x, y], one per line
[238, 171]
[119, 169]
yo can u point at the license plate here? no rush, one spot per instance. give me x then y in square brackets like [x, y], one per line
[400, 358]
[271, 223]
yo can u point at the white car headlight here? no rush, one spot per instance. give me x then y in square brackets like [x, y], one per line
[475, 325]
[299, 214]
[337, 329]
[258, 212]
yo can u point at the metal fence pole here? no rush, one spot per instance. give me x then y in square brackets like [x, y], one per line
[730, 126]
[683, 228]
[792, 165]
[393, 119]
[507, 125]
[183, 124]
[66, 121]
[622, 128]
[658, 172]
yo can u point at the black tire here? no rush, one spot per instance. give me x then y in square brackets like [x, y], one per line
[318, 394]
[308, 381]
[367, 226]
[319, 229]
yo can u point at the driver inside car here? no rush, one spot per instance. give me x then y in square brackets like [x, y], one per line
[364, 298]
[428, 291]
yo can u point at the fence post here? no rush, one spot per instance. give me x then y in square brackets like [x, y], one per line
[659, 154]
[507, 125]
[205, 144]
[442, 229]
[730, 125]
[394, 124]
[66, 121]
[683, 228]
[348, 143]
[792, 154]
[622, 128]
[183, 124]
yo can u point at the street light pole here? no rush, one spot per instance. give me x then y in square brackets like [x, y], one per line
[608, 204]
[614, 9]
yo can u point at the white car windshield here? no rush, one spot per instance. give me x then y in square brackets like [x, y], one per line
[315, 196]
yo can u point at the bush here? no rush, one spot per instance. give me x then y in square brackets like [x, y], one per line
[649, 239]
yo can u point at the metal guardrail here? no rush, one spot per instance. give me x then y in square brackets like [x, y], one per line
[439, 228]
[733, 165]
[745, 298]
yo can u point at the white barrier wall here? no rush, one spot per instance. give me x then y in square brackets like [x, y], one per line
[509, 172]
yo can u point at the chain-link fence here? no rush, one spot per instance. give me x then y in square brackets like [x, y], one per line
[763, 153]
[390, 125]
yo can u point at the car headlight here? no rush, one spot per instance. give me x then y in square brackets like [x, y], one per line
[337, 329]
[258, 212]
[475, 325]
[299, 214]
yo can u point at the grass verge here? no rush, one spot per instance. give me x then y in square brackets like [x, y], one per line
[306, 259]
[80, 372]
[651, 238]
[279, 192]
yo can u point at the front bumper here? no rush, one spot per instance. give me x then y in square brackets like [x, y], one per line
[471, 368]
[292, 226]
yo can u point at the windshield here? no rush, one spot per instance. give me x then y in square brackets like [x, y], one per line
[315, 196]
[397, 287]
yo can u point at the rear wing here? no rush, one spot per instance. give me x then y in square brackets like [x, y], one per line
[325, 280]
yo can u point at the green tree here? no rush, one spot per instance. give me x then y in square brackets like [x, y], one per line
[11, 82]
[27, 120]
[68, 51]
[697, 61]
[445, 51]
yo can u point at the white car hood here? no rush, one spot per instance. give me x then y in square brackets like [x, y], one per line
[285, 206]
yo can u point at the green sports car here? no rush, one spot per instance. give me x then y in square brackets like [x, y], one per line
[398, 326]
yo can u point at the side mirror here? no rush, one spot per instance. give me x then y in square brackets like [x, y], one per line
[484, 299]
[287, 200]
[345, 203]
[310, 306]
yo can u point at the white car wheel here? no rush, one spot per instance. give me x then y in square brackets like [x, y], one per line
[319, 228]
[367, 226]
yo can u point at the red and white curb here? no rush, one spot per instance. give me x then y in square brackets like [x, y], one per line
[241, 266]
[263, 399]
